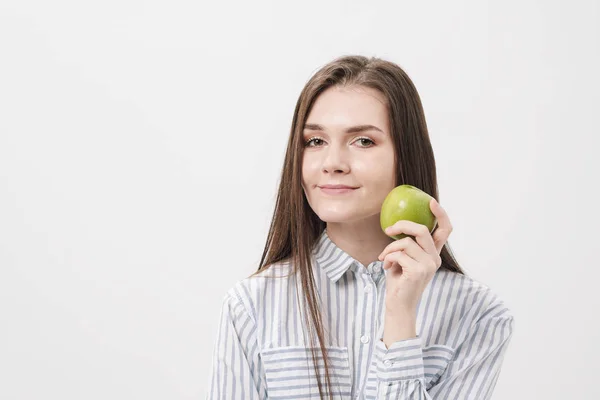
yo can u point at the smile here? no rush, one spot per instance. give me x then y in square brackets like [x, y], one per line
[337, 191]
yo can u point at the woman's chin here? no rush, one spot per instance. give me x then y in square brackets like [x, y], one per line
[339, 217]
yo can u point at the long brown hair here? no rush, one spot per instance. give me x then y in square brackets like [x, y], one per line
[295, 227]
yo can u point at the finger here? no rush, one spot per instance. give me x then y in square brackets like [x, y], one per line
[419, 231]
[401, 258]
[444, 227]
[410, 247]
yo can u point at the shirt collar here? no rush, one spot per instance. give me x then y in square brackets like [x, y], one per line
[334, 261]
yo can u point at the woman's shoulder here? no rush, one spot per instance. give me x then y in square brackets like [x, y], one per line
[472, 294]
[261, 286]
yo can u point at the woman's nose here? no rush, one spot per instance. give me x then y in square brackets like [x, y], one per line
[335, 160]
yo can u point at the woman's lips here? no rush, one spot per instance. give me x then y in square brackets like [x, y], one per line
[336, 191]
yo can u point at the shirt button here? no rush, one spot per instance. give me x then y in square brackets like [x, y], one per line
[364, 339]
[368, 289]
[387, 363]
[376, 268]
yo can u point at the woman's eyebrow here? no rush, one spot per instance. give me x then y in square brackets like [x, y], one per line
[352, 129]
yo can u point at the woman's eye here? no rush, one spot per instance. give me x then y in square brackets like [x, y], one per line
[366, 139]
[310, 141]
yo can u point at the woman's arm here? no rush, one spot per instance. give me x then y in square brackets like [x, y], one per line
[471, 373]
[472, 370]
[237, 371]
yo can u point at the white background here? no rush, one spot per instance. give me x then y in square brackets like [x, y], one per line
[141, 144]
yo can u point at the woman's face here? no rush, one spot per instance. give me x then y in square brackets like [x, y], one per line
[362, 158]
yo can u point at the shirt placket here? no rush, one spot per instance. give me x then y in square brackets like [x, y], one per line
[367, 324]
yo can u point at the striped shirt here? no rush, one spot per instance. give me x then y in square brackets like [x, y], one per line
[463, 330]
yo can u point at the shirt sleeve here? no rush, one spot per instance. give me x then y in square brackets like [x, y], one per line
[237, 371]
[471, 374]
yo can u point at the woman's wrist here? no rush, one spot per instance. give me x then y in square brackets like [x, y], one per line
[399, 325]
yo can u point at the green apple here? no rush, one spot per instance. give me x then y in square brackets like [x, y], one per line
[406, 202]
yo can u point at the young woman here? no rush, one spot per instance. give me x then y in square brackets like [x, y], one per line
[338, 308]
